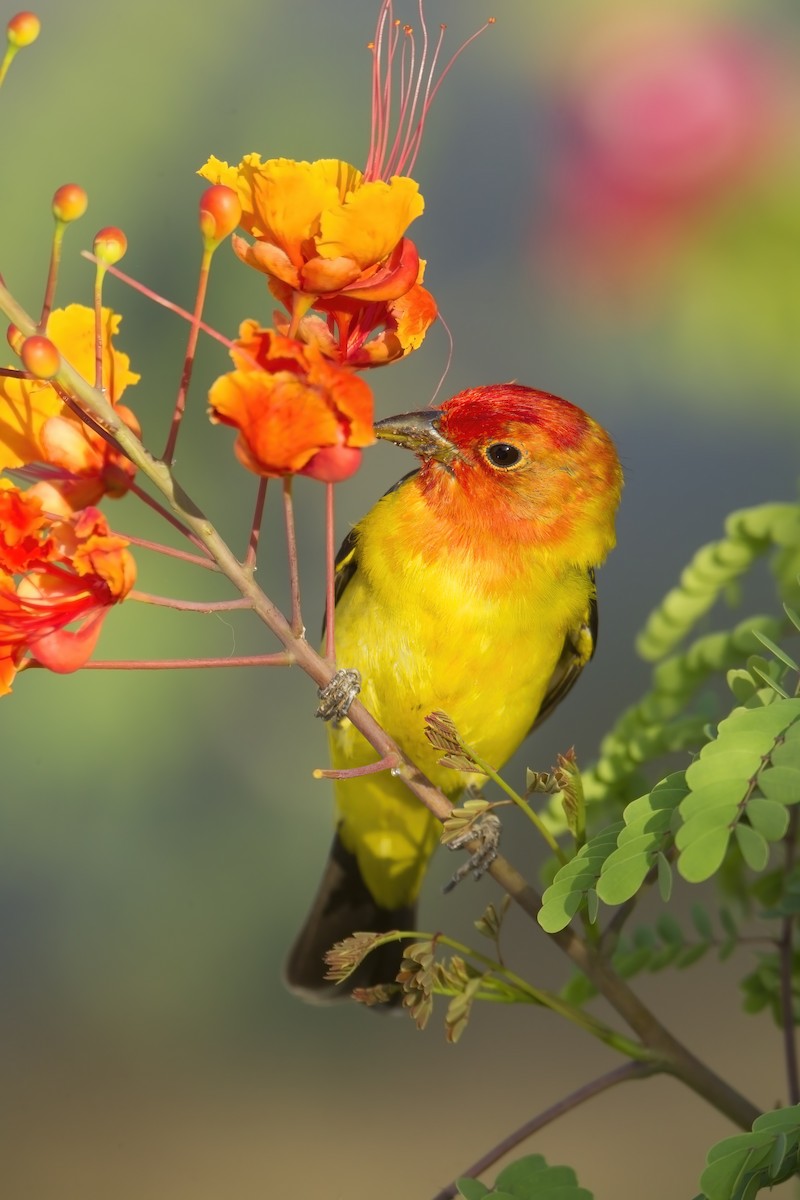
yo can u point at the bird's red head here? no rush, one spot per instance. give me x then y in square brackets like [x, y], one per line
[521, 464]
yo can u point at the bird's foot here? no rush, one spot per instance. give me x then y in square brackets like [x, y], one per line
[337, 696]
[486, 832]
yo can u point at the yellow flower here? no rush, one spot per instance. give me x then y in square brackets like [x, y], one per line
[323, 228]
[35, 424]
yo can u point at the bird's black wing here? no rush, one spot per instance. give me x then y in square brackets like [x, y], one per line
[579, 647]
[346, 563]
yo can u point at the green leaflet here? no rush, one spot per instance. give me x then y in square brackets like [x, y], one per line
[659, 723]
[648, 830]
[730, 787]
[529, 1178]
[568, 891]
[739, 1167]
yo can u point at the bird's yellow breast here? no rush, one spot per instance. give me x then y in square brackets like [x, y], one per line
[431, 626]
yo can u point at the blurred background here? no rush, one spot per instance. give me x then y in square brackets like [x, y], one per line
[613, 214]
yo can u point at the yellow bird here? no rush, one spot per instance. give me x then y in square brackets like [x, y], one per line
[469, 588]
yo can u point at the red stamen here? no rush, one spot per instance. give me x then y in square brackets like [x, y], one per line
[417, 84]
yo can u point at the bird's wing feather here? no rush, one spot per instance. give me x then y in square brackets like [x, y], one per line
[579, 647]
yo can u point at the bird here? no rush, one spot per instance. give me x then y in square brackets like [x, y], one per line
[469, 588]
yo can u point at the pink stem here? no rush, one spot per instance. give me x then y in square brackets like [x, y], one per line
[52, 274]
[291, 544]
[196, 560]
[388, 763]
[281, 659]
[204, 606]
[188, 362]
[168, 516]
[330, 576]
[162, 300]
[255, 527]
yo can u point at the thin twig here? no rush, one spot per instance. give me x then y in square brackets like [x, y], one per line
[330, 576]
[196, 560]
[189, 357]
[255, 526]
[298, 629]
[151, 502]
[623, 1074]
[282, 659]
[201, 606]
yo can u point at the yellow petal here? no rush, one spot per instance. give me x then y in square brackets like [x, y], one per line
[371, 221]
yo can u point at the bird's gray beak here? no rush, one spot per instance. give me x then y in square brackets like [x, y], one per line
[419, 432]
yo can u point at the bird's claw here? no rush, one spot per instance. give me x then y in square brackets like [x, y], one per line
[337, 696]
[486, 832]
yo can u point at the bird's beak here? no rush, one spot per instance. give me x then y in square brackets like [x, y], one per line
[419, 432]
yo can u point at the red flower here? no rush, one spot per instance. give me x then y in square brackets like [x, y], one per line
[71, 571]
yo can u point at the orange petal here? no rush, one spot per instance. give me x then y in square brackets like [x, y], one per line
[392, 280]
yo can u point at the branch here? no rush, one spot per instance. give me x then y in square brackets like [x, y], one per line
[632, 1070]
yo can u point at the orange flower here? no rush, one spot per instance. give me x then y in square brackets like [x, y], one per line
[288, 402]
[71, 571]
[365, 335]
[322, 228]
[37, 427]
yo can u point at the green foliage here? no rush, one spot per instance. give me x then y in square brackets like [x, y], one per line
[671, 716]
[643, 842]
[529, 1178]
[739, 1167]
[741, 784]
[749, 534]
[666, 944]
[576, 881]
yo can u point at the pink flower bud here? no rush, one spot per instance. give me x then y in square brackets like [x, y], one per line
[110, 245]
[333, 464]
[23, 29]
[40, 357]
[220, 211]
[69, 202]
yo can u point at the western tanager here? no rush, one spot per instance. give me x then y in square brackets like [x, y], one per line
[468, 588]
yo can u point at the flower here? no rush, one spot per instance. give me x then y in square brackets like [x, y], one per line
[288, 402]
[366, 335]
[36, 426]
[71, 570]
[322, 228]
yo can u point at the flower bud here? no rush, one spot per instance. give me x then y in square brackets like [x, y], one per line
[110, 245]
[40, 357]
[220, 211]
[23, 29]
[69, 202]
[15, 338]
[333, 464]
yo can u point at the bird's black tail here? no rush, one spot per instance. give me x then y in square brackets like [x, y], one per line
[343, 906]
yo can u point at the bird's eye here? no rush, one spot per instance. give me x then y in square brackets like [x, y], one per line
[503, 454]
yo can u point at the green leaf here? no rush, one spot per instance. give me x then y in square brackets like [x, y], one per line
[777, 651]
[702, 922]
[664, 877]
[567, 893]
[770, 819]
[472, 1189]
[739, 1167]
[703, 856]
[754, 847]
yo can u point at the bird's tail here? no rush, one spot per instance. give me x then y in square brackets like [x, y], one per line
[343, 906]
